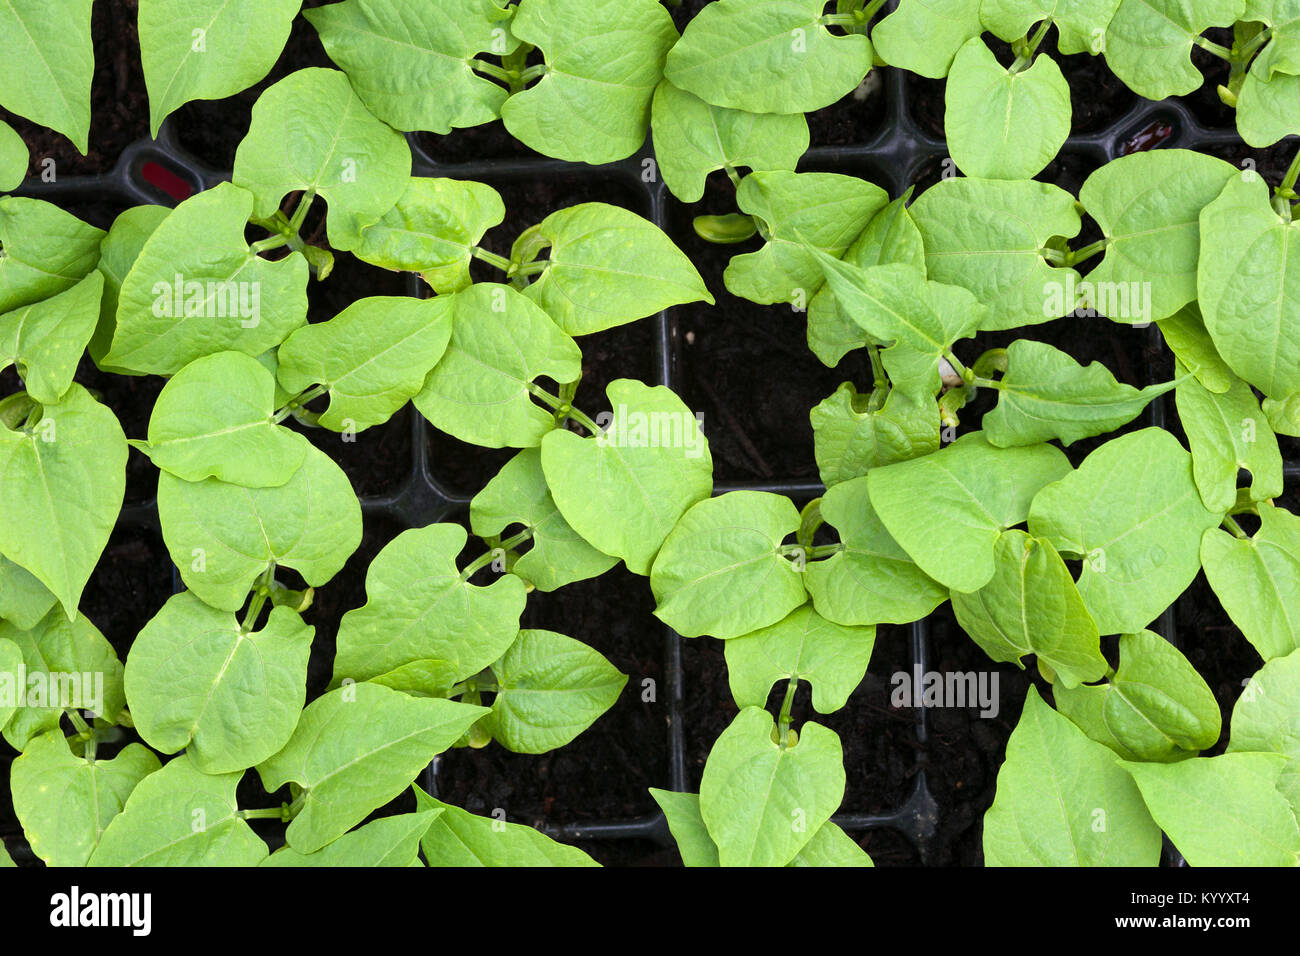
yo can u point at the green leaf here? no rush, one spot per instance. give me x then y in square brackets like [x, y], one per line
[1155, 707]
[606, 267]
[1000, 124]
[824, 211]
[1258, 580]
[179, 816]
[64, 802]
[45, 341]
[761, 802]
[1184, 332]
[1031, 606]
[118, 252]
[209, 49]
[988, 236]
[518, 495]
[311, 132]
[480, 389]
[1046, 394]
[461, 838]
[216, 419]
[69, 665]
[1226, 433]
[625, 489]
[770, 57]
[802, 646]
[604, 59]
[6, 861]
[23, 599]
[1149, 206]
[923, 36]
[891, 236]
[850, 436]
[69, 471]
[947, 510]
[1080, 24]
[46, 251]
[388, 841]
[12, 682]
[13, 158]
[355, 749]
[372, 357]
[230, 696]
[1266, 719]
[831, 846]
[897, 304]
[1142, 550]
[872, 581]
[1249, 268]
[722, 571]
[1222, 811]
[1284, 414]
[49, 63]
[694, 137]
[223, 536]
[419, 608]
[682, 811]
[1266, 110]
[550, 688]
[1063, 800]
[1283, 16]
[197, 288]
[433, 230]
[1149, 42]
[414, 71]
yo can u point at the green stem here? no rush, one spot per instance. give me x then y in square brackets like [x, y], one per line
[1235, 529]
[84, 730]
[533, 72]
[564, 409]
[787, 706]
[1077, 256]
[1285, 194]
[266, 245]
[501, 262]
[1218, 50]
[262, 590]
[1246, 52]
[1030, 47]
[531, 268]
[298, 401]
[872, 8]
[879, 377]
[491, 69]
[266, 813]
[986, 383]
[966, 374]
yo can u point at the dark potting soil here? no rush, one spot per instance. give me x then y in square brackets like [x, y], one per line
[605, 772]
[131, 583]
[747, 368]
[119, 110]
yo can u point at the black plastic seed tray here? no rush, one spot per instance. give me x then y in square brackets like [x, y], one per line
[901, 151]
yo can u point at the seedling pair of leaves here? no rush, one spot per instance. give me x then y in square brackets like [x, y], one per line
[1099, 803]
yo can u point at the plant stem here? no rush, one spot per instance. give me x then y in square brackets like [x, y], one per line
[265, 813]
[1076, 256]
[1285, 194]
[1235, 529]
[84, 730]
[490, 69]
[483, 560]
[1218, 50]
[966, 375]
[298, 401]
[564, 409]
[987, 383]
[501, 262]
[1246, 52]
[261, 592]
[787, 706]
[1030, 47]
